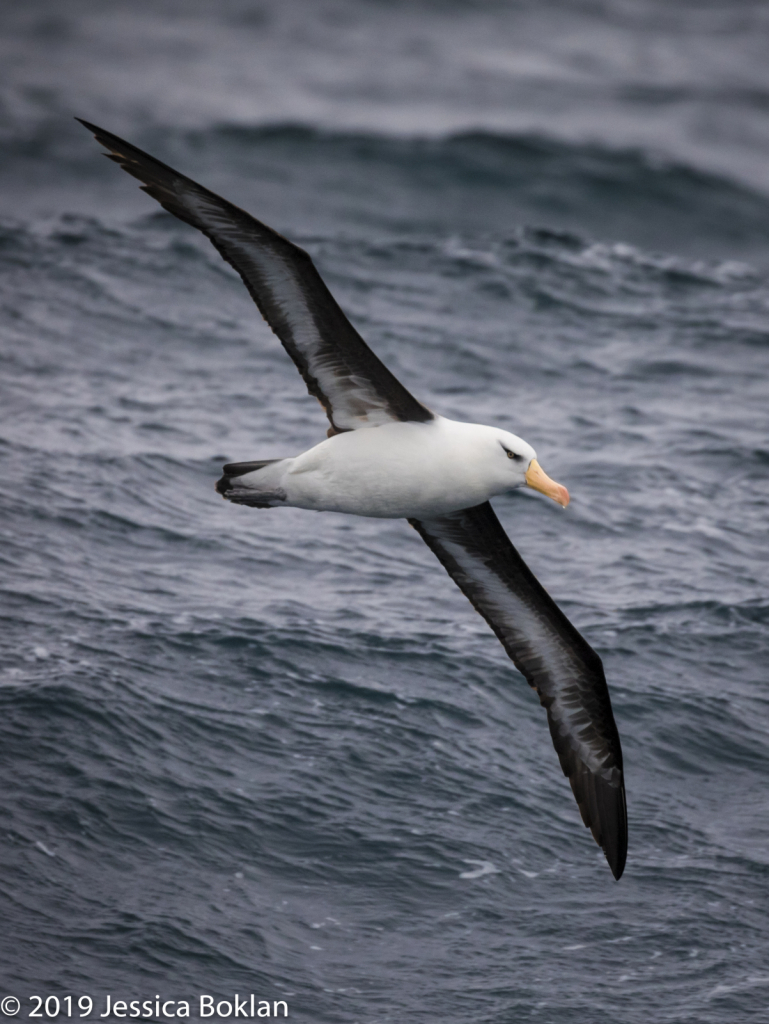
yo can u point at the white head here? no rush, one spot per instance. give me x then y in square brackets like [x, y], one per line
[515, 464]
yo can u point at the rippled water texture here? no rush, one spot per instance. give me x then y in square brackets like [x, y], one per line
[277, 752]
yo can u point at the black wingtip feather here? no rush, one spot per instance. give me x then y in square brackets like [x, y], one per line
[158, 180]
[603, 808]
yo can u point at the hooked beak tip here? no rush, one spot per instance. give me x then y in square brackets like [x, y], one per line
[538, 479]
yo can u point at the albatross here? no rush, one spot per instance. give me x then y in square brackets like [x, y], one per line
[387, 455]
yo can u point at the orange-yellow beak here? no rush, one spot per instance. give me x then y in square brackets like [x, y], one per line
[537, 478]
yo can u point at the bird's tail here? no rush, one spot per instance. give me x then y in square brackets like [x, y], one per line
[250, 483]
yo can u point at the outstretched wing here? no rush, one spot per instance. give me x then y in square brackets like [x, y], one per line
[560, 665]
[338, 367]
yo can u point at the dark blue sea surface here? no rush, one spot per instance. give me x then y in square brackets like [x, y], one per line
[277, 752]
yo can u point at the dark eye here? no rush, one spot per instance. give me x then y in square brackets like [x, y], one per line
[512, 455]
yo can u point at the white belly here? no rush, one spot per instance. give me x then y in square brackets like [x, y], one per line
[398, 470]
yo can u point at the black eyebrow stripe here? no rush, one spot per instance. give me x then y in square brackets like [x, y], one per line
[515, 455]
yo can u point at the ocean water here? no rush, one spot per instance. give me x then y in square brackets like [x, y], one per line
[276, 752]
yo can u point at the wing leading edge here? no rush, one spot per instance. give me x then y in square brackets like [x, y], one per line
[354, 387]
[553, 657]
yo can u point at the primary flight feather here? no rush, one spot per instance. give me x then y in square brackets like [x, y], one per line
[388, 456]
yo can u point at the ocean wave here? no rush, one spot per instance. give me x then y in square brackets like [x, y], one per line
[417, 184]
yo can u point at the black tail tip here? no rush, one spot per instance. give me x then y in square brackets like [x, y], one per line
[223, 486]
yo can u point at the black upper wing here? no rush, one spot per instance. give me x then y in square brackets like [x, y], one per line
[560, 665]
[340, 370]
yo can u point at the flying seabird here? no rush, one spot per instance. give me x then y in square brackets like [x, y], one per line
[387, 455]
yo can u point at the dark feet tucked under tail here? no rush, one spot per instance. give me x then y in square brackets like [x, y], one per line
[235, 469]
